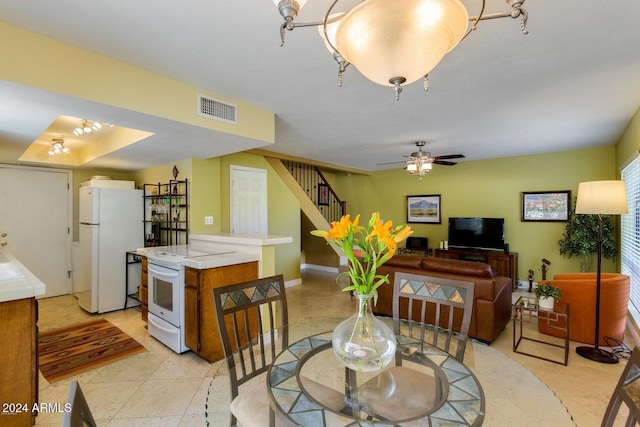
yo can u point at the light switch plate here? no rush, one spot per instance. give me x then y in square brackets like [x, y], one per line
[208, 220]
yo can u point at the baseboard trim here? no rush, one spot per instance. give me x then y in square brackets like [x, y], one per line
[319, 267]
[292, 283]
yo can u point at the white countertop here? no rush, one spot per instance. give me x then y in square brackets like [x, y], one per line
[200, 258]
[224, 249]
[16, 282]
[219, 260]
[241, 239]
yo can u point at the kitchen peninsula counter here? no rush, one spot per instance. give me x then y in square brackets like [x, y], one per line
[262, 246]
[236, 259]
[219, 260]
[16, 281]
[240, 239]
[19, 333]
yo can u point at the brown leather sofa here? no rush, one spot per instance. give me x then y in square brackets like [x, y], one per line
[579, 291]
[492, 299]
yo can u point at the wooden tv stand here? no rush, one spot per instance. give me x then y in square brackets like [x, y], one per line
[501, 264]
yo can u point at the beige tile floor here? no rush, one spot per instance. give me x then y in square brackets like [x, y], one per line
[161, 388]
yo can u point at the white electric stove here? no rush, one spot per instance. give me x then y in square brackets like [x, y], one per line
[166, 291]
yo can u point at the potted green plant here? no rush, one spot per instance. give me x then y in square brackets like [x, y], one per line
[580, 239]
[547, 294]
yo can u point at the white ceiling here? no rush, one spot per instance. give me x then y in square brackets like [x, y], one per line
[572, 82]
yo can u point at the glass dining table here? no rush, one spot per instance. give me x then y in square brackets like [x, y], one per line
[308, 386]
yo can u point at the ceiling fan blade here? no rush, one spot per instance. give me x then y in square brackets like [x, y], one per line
[390, 163]
[444, 162]
[450, 156]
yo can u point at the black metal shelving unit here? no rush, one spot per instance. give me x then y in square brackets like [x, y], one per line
[132, 257]
[166, 213]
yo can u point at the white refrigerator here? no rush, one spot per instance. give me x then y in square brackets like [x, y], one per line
[110, 224]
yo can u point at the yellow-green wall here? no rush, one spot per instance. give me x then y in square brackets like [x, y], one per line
[283, 210]
[629, 144]
[205, 187]
[487, 188]
[315, 250]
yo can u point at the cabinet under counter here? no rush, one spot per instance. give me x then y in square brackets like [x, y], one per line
[201, 326]
[19, 361]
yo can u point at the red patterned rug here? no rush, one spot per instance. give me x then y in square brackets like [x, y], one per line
[67, 351]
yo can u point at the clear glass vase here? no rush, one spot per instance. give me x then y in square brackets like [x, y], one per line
[362, 342]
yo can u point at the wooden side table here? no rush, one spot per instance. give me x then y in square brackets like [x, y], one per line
[526, 311]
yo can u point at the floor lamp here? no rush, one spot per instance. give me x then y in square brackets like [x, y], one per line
[600, 198]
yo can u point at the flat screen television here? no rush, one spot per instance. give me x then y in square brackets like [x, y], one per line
[476, 233]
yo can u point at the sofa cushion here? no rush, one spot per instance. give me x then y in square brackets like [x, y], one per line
[405, 262]
[454, 266]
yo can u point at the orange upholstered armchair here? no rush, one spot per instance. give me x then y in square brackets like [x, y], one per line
[579, 291]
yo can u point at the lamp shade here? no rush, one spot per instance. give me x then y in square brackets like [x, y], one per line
[602, 197]
[426, 166]
[385, 39]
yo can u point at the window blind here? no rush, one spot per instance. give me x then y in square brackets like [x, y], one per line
[630, 230]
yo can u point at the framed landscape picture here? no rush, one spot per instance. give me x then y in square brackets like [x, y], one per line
[424, 209]
[546, 206]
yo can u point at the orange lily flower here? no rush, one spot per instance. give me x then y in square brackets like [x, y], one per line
[341, 229]
[376, 243]
[403, 234]
[383, 232]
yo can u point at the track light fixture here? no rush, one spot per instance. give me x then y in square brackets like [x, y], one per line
[57, 147]
[87, 127]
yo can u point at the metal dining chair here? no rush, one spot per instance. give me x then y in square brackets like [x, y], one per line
[628, 391]
[442, 308]
[78, 413]
[250, 317]
[431, 302]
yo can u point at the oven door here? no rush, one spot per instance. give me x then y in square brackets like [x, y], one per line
[165, 287]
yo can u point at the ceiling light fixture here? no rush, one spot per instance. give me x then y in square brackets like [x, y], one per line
[394, 43]
[87, 127]
[420, 162]
[57, 147]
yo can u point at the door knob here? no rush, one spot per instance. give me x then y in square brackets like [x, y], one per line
[3, 235]
[3, 243]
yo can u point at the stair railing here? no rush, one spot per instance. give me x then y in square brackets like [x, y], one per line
[317, 189]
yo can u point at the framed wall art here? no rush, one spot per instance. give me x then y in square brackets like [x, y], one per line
[546, 206]
[323, 195]
[424, 209]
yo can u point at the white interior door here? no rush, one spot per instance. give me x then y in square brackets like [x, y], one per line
[248, 201]
[35, 215]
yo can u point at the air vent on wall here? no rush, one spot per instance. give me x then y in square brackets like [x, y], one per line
[216, 109]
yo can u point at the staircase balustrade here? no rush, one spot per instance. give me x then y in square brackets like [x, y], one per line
[317, 189]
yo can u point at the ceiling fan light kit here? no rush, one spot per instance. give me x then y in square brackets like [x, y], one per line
[394, 43]
[420, 162]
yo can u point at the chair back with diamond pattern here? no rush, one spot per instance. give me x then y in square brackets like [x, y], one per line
[442, 308]
[249, 314]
